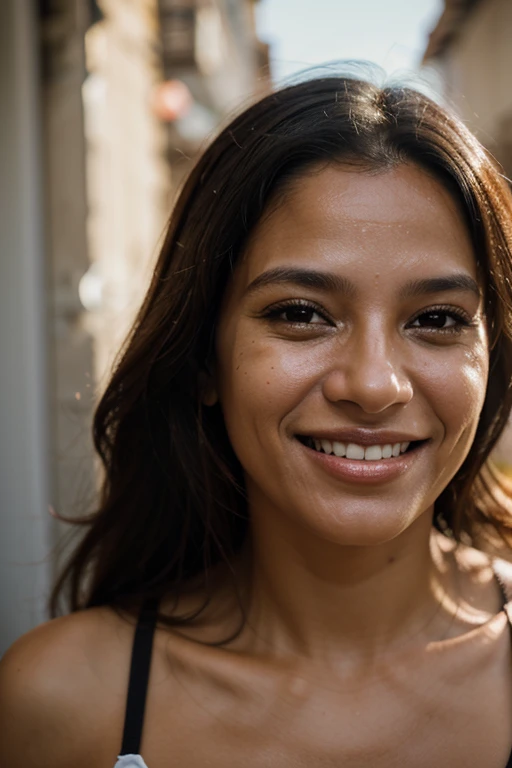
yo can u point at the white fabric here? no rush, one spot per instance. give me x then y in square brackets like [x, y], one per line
[130, 761]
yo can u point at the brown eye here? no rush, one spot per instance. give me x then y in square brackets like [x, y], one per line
[440, 319]
[296, 313]
[435, 320]
[299, 314]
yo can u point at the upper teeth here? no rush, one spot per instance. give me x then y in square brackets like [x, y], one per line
[354, 451]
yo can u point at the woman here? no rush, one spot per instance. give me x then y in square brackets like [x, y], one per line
[296, 445]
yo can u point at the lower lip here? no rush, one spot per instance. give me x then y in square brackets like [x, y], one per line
[363, 471]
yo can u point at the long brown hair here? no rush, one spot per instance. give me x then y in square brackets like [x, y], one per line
[172, 504]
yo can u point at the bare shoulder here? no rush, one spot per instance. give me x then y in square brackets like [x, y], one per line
[62, 686]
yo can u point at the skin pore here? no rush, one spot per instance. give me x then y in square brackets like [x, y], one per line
[369, 640]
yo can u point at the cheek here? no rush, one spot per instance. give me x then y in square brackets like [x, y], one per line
[261, 381]
[258, 380]
[456, 390]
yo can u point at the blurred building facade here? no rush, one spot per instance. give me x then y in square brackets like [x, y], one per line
[109, 103]
[471, 47]
[214, 50]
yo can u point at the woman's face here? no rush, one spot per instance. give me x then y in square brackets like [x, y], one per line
[352, 324]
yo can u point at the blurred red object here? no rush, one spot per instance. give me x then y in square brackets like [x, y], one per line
[171, 100]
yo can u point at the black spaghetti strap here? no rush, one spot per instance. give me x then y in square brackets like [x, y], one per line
[139, 678]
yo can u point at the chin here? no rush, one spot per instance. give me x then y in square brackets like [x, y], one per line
[367, 523]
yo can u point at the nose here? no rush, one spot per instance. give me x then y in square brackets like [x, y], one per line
[369, 371]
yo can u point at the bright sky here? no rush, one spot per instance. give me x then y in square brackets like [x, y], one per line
[391, 33]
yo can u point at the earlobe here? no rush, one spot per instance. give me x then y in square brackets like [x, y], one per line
[210, 396]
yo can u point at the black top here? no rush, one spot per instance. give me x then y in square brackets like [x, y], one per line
[140, 666]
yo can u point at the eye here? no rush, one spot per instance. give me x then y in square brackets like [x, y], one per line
[441, 319]
[296, 313]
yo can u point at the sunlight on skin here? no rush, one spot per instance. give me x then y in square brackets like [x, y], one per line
[361, 360]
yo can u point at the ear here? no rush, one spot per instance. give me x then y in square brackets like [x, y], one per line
[207, 388]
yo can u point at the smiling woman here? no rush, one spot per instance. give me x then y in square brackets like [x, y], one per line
[382, 347]
[299, 510]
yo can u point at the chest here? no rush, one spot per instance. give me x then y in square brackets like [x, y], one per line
[423, 714]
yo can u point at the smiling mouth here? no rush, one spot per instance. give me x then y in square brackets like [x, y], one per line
[355, 452]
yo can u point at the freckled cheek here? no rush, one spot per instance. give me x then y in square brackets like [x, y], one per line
[263, 378]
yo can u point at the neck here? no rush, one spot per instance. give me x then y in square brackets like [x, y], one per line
[317, 598]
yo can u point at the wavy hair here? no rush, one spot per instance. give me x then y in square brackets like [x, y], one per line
[172, 505]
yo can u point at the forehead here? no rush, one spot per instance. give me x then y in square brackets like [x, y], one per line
[391, 222]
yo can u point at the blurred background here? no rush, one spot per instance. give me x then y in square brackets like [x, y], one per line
[104, 105]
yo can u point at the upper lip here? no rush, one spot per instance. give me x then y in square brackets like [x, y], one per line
[362, 436]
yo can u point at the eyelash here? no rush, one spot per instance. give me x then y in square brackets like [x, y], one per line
[461, 319]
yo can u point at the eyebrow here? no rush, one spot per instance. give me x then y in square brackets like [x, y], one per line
[456, 282]
[305, 278]
[330, 282]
